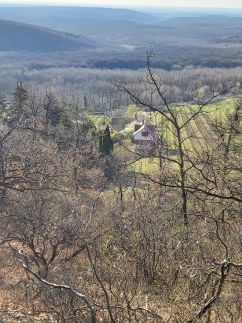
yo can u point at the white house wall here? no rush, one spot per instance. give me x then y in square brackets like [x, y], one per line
[138, 136]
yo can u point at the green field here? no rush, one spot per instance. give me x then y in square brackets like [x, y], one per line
[198, 135]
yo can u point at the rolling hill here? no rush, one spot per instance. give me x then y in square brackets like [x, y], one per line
[71, 19]
[110, 27]
[16, 36]
[122, 37]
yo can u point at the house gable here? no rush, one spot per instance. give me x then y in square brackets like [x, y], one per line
[145, 134]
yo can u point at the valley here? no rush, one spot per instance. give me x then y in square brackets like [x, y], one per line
[120, 162]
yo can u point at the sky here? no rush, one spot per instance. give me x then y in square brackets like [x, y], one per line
[115, 3]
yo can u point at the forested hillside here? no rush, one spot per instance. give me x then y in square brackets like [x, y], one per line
[17, 36]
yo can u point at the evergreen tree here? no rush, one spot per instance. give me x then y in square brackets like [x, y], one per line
[3, 104]
[20, 96]
[55, 116]
[105, 142]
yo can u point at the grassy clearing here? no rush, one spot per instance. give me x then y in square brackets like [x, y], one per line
[147, 165]
[99, 120]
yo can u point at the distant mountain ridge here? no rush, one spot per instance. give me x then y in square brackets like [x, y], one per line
[106, 26]
[213, 20]
[59, 16]
[122, 37]
[18, 36]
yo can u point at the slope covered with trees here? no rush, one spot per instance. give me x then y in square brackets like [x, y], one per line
[16, 36]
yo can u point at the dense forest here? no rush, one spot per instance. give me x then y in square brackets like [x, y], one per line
[96, 86]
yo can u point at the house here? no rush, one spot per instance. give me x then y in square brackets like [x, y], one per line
[145, 134]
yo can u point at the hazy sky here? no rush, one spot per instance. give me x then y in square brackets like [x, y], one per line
[169, 3]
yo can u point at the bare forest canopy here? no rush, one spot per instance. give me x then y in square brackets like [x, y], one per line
[100, 94]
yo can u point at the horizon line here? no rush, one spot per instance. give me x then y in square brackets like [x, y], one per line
[41, 4]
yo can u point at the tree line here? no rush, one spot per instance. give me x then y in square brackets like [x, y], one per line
[92, 88]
